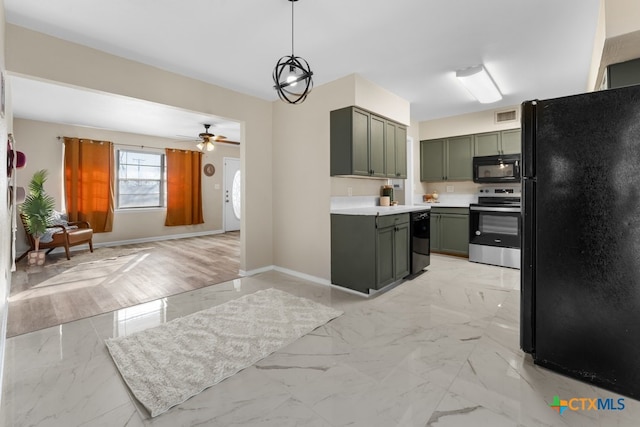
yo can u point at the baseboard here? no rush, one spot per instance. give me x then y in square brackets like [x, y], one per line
[304, 276]
[314, 279]
[156, 238]
[293, 273]
[135, 241]
[253, 272]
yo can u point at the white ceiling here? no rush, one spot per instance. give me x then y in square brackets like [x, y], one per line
[533, 49]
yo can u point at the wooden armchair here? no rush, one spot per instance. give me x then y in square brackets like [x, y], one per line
[63, 237]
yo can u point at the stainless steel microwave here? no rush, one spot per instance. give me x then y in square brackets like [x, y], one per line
[501, 169]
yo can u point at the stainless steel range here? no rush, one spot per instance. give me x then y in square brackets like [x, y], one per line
[495, 225]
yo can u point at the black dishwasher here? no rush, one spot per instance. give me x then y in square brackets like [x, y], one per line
[420, 241]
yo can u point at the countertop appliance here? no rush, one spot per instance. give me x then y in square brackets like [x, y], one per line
[495, 226]
[503, 169]
[420, 241]
[580, 307]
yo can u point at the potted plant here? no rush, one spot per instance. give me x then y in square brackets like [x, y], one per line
[37, 210]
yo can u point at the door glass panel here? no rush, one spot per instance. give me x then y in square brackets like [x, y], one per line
[235, 194]
[495, 171]
[499, 224]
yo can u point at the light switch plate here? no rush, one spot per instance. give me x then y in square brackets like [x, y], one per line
[216, 187]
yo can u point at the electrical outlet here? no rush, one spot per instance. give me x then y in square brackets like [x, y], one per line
[449, 188]
[216, 187]
[350, 191]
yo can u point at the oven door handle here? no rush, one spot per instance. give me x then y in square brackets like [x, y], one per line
[493, 209]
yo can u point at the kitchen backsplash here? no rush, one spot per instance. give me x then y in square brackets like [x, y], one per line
[457, 187]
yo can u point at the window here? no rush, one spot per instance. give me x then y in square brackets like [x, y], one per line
[141, 179]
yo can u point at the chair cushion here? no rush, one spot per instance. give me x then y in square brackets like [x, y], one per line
[80, 235]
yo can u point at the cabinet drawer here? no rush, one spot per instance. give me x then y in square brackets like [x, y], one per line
[460, 211]
[391, 220]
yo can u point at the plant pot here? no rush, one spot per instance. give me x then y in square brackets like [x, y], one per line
[36, 257]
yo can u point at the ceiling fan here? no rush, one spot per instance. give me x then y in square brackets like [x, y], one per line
[207, 139]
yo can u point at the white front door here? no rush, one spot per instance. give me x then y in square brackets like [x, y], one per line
[231, 194]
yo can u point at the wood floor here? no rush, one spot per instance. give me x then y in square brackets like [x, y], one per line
[111, 278]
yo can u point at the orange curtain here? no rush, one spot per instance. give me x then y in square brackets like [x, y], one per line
[88, 182]
[184, 188]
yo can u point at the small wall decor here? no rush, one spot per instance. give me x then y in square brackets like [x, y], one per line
[209, 169]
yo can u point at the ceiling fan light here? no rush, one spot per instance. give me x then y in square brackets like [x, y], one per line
[200, 145]
[479, 84]
[210, 146]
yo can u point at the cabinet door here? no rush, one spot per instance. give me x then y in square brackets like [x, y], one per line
[454, 236]
[434, 224]
[487, 144]
[401, 251]
[384, 256]
[459, 158]
[511, 141]
[401, 152]
[432, 160]
[390, 150]
[360, 141]
[376, 147]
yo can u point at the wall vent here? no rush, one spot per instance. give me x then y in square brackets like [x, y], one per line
[506, 116]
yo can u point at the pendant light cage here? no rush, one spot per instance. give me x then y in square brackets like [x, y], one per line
[292, 75]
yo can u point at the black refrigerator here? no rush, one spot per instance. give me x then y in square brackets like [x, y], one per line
[580, 270]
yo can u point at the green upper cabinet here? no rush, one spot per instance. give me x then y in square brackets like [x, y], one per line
[432, 159]
[459, 158]
[486, 144]
[451, 159]
[349, 134]
[360, 141]
[363, 143]
[494, 143]
[390, 150]
[511, 141]
[401, 152]
[446, 159]
[377, 147]
[396, 150]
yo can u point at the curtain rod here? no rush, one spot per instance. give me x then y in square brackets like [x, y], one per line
[128, 145]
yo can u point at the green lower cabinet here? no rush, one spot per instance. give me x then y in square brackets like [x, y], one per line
[402, 254]
[450, 231]
[384, 257]
[369, 252]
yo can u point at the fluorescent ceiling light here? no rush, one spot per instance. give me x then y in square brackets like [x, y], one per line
[479, 84]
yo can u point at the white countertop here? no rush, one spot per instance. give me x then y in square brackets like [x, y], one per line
[380, 210]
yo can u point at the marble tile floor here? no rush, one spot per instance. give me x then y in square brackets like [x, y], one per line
[439, 350]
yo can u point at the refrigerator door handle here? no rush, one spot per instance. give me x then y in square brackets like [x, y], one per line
[528, 267]
[529, 124]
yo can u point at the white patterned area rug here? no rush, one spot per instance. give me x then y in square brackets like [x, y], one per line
[168, 364]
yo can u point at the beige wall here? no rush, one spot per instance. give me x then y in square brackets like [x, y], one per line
[622, 17]
[302, 186]
[37, 55]
[38, 140]
[465, 124]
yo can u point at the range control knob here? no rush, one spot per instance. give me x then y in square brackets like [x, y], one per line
[478, 232]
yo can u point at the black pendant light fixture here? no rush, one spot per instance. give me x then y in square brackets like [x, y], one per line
[292, 75]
